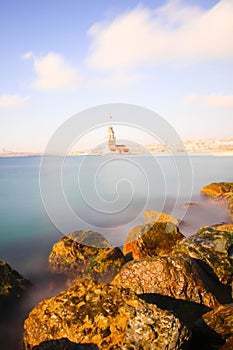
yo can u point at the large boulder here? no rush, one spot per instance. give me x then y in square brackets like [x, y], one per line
[86, 253]
[222, 191]
[216, 327]
[151, 216]
[213, 248]
[105, 315]
[12, 284]
[176, 277]
[152, 239]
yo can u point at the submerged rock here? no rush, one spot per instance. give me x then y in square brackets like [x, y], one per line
[213, 247]
[152, 239]
[86, 253]
[216, 327]
[151, 216]
[176, 277]
[12, 284]
[221, 191]
[110, 317]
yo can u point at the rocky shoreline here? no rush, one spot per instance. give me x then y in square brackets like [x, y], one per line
[161, 291]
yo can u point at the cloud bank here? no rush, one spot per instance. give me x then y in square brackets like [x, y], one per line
[175, 33]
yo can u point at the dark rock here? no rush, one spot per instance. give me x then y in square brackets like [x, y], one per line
[216, 326]
[152, 239]
[187, 311]
[12, 284]
[212, 247]
[86, 253]
[110, 317]
[64, 344]
[176, 277]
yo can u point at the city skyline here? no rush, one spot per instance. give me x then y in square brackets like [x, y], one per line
[60, 58]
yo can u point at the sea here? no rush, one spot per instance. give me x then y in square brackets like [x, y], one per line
[44, 198]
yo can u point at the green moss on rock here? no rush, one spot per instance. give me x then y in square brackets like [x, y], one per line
[73, 256]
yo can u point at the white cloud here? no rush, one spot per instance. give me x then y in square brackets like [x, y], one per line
[211, 100]
[12, 101]
[54, 73]
[176, 33]
[27, 55]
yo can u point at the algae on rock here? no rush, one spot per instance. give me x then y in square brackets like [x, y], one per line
[86, 253]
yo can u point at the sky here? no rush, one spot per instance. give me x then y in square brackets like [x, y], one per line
[60, 57]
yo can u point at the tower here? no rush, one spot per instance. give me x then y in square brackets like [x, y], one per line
[111, 138]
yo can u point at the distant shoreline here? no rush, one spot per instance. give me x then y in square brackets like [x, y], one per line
[199, 153]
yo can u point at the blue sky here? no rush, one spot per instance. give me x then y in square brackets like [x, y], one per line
[59, 57]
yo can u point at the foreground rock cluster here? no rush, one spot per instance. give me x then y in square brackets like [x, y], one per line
[166, 292]
[162, 291]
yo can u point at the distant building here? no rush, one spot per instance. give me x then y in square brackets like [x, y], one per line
[112, 146]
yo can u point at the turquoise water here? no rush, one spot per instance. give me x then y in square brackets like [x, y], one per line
[27, 233]
[103, 193]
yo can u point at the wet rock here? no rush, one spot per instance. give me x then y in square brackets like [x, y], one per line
[152, 239]
[64, 344]
[223, 227]
[86, 253]
[213, 248]
[12, 284]
[110, 317]
[216, 327]
[222, 191]
[217, 189]
[176, 277]
[151, 216]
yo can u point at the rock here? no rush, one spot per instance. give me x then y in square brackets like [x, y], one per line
[217, 190]
[152, 239]
[110, 317]
[230, 206]
[151, 216]
[213, 248]
[223, 227]
[221, 191]
[64, 344]
[216, 327]
[12, 284]
[176, 277]
[86, 253]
